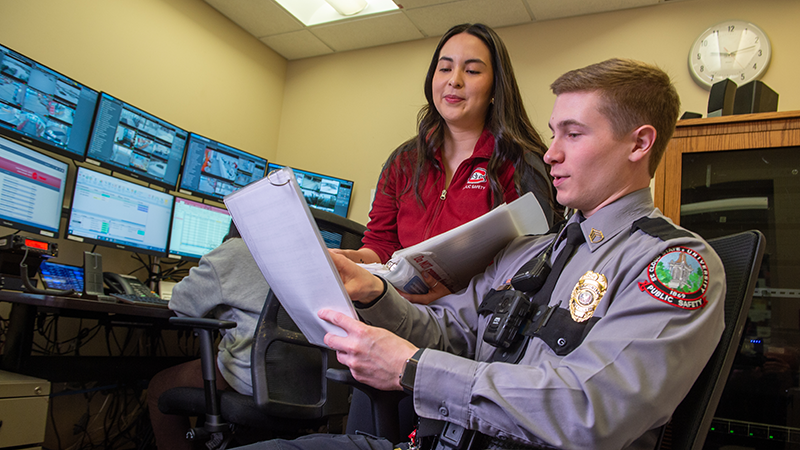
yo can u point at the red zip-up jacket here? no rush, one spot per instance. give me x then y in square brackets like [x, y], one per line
[398, 223]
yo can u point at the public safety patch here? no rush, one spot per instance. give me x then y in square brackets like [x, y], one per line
[678, 276]
[478, 176]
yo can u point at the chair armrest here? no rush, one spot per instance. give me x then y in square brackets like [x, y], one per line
[385, 414]
[202, 322]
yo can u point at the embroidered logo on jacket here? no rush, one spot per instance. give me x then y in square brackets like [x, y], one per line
[477, 180]
[679, 277]
[478, 176]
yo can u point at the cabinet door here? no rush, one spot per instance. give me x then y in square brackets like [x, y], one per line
[23, 420]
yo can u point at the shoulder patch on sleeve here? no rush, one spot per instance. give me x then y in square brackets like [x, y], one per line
[659, 227]
[679, 277]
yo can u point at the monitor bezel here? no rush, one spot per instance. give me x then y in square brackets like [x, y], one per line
[44, 143]
[203, 195]
[181, 256]
[138, 175]
[115, 245]
[46, 232]
[274, 166]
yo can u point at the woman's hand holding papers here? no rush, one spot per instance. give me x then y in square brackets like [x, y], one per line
[375, 356]
[435, 290]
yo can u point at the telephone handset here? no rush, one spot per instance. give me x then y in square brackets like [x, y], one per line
[126, 284]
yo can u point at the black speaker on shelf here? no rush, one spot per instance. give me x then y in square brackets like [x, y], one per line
[755, 97]
[721, 98]
[691, 115]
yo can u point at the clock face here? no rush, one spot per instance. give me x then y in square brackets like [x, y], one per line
[733, 49]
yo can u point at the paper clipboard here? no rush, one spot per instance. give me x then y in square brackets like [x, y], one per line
[274, 220]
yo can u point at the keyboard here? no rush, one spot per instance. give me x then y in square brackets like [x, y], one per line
[141, 300]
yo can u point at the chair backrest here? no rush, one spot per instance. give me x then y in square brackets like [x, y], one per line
[346, 232]
[741, 255]
[288, 372]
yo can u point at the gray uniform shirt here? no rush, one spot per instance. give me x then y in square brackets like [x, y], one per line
[613, 391]
[228, 284]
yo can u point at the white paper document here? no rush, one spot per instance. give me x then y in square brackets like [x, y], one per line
[457, 255]
[280, 232]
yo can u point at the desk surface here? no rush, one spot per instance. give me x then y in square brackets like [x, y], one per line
[17, 355]
[79, 304]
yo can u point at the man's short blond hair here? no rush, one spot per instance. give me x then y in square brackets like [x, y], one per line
[633, 94]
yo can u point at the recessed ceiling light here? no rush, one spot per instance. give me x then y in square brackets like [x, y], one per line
[315, 12]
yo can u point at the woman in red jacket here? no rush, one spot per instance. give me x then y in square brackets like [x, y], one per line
[475, 149]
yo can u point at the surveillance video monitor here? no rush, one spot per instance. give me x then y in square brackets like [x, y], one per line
[42, 107]
[213, 170]
[133, 142]
[322, 191]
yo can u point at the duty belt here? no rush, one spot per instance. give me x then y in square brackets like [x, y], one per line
[437, 435]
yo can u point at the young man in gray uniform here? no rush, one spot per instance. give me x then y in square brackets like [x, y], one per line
[603, 360]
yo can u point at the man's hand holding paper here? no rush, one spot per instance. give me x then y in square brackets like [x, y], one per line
[361, 286]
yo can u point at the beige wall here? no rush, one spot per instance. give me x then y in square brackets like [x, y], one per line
[344, 113]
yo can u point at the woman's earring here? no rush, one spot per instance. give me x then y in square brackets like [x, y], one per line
[492, 101]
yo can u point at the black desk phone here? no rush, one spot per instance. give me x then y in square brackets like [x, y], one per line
[126, 284]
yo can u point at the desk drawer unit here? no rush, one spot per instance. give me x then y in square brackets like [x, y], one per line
[23, 410]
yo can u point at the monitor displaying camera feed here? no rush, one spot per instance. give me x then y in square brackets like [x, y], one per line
[213, 170]
[130, 141]
[42, 107]
[120, 214]
[32, 189]
[196, 229]
[322, 191]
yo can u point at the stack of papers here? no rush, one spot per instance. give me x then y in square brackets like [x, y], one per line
[457, 255]
[279, 230]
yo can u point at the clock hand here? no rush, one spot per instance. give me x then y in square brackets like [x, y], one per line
[741, 50]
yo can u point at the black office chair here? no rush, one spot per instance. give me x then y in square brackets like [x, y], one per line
[291, 394]
[741, 255]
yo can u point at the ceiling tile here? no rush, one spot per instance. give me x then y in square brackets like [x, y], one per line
[548, 9]
[368, 32]
[436, 20]
[297, 45]
[257, 17]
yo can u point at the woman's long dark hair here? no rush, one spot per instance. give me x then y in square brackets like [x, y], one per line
[506, 119]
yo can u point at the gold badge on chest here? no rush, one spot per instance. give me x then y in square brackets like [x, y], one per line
[586, 295]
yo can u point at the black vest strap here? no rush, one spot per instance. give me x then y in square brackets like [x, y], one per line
[659, 227]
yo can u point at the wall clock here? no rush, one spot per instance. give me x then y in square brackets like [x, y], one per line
[734, 49]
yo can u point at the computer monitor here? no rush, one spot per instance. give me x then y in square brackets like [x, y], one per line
[322, 191]
[42, 107]
[196, 229]
[32, 188]
[128, 140]
[213, 170]
[116, 213]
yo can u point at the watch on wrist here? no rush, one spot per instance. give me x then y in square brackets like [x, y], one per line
[410, 372]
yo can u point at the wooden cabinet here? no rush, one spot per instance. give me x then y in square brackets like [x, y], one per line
[742, 132]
